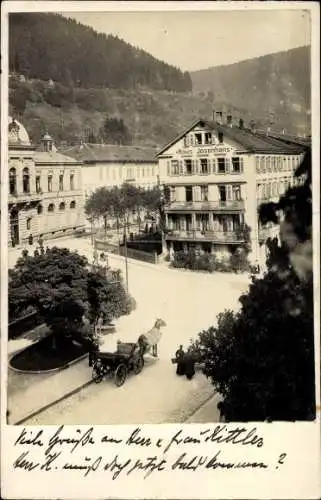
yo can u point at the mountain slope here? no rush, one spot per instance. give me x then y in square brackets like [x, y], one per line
[49, 46]
[277, 86]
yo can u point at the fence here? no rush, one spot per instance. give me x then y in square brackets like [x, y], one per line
[24, 325]
[131, 253]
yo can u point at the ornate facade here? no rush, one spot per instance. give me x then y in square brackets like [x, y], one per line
[45, 190]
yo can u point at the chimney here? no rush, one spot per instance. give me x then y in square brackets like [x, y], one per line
[229, 120]
[241, 123]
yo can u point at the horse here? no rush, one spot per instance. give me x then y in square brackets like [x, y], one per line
[151, 338]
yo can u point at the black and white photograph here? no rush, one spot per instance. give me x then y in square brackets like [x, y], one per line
[158, 240]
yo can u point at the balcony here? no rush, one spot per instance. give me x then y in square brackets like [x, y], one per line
[206, 206]
[223, 237]
[24, 197]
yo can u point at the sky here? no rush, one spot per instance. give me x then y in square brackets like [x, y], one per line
[193, 40]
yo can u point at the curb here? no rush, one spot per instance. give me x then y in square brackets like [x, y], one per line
[198, 408]
[49, 405]
[44, 372]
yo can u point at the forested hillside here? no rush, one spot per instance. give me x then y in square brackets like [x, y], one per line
[49, 46]
[134, 116]
[276, 84]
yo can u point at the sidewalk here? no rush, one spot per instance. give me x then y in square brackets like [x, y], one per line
[28, 394]
[207, 412]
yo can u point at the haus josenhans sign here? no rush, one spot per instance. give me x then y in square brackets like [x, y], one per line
[204, 151]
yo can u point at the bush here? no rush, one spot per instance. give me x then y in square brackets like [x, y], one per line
[239, 261]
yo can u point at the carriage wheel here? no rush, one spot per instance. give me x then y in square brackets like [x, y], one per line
[120, 375]
[139, 365]
[97, 374]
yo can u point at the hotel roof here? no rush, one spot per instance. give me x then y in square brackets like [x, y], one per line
[250, 141]
[110, 153]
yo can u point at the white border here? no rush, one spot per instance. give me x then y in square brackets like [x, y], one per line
[300, 475]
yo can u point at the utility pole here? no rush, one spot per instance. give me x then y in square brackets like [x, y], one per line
[126, 254]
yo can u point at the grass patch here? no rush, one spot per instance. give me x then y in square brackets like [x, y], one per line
[41, 356]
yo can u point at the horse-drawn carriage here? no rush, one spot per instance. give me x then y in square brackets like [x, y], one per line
[128, 357]
[119, 364]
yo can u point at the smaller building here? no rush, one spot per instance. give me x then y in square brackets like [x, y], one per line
[108, 165]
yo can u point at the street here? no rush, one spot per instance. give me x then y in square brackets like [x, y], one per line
[188, 302]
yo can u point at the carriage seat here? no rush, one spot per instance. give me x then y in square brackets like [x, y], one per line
[127, 348]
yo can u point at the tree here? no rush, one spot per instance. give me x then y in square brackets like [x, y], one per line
[261, 359]
[101, 204]
[60, 286]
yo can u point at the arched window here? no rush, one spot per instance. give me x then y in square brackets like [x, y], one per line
[12, 181]
[51, 207]
[26, 180]
[29, 223]
[62, 206]
[39, 209]
[72, 204]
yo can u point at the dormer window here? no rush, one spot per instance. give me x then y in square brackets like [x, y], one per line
[208, 138]
[198, 139]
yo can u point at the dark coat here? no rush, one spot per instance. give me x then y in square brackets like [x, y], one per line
[180, 368]
[189, 366]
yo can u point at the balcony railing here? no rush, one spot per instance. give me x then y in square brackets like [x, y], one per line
[190, 206]
[23, 197]
[213, 236]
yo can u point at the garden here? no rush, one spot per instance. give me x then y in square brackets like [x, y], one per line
[60, 287]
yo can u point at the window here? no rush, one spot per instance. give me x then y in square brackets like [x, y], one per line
[220, 137]
[188, 167]
[51, 207]
[26, 180]
[71, 182]
[12, 181]
[172, 193]
[175, 167]
[204, 166]
[268, 164]
[198, 139]
[263, 165]
[204, 193]
[268, 190]
[49, 183]
[236, 165]
[189, 193]
[72, 204]
[38, 185]
[236, 193]
[222, 193]
[39, 209]
[257, 164]
[28, 223]
[208, 138]
[274, 190]
[62, 206]
[221, 165]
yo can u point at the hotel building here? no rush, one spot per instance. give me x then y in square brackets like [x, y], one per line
[45, 193]
[216, 175]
